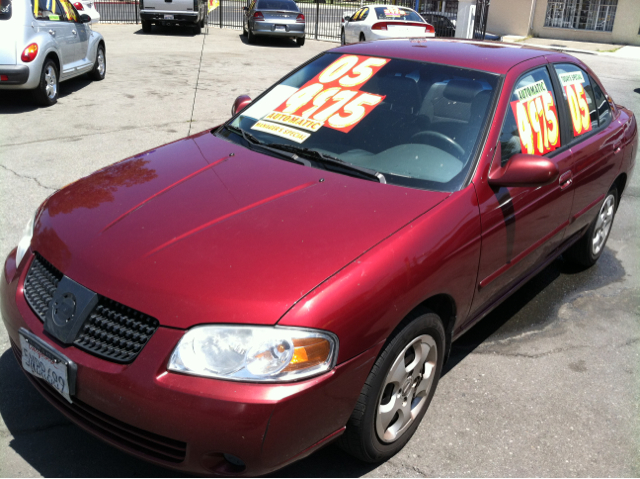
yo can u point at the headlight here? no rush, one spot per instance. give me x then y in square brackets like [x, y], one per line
[25, 242]
[254, 353]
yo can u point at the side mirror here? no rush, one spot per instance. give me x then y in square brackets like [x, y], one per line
[347, 18]
[84, 18]
[524, 170]
[240, 104]
[245, 9]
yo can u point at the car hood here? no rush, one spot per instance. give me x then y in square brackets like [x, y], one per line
[205, 231]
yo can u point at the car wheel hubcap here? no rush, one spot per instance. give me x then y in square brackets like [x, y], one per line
[51, 82]
[603, 224]
[406, 388]
[102, 65]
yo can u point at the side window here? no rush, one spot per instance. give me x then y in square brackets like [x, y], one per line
[253, 5]
[47, 10]
[364, 14]
[577, 92]
[356, 16]
[602, 105]
[531, 124]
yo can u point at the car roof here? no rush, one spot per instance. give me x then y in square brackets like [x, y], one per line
[492, 57]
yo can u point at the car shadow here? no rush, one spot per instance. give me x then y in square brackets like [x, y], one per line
[270, 42]
[21, 101]
[169, 31]
[53, 446]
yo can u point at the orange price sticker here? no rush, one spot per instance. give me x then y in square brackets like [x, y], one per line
[579, 108]
[537, 120]
[333, 97]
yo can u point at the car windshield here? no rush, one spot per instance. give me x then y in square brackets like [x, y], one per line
[277, 5]
[416, 123]
[397, 13]
[5, 9]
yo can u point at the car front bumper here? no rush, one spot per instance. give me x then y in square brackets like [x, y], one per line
[185, 422]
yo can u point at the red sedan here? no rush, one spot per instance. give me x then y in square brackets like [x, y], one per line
[231, 302]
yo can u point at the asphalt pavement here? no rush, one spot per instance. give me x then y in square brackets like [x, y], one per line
[547, 385]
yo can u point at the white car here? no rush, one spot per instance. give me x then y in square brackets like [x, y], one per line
[376, 22]
[88, 8]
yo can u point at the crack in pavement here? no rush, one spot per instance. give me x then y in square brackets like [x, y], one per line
[29, 178]
[553, 351]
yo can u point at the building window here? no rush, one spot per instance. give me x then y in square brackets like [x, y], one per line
[595, 15]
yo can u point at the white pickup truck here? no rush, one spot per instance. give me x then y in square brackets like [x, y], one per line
[173, 12]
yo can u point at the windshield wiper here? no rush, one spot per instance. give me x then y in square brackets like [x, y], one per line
[315, 155]
[252, 140]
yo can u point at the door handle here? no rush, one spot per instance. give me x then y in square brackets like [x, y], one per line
[566, 179]
[74, 32]
[52, 32]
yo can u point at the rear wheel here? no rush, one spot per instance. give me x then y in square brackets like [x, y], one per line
[203, 22]
[244, 29]
[146, 26]
[398, 390]
[251, 38]
[343, 40]
[46, 94]
[300, 41]
[589, 248]
[362, 38]
[197, 28]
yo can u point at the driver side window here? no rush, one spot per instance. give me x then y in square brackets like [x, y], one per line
[531, 124]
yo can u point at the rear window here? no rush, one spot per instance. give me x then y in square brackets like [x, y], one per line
[5, 9]
[277, 5]
[397, 13]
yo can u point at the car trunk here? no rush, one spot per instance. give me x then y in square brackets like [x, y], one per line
[169, 5]
[401, 28]
[280, 15]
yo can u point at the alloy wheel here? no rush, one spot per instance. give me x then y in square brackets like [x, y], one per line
[603, 224]
[51, 81]
[406, 388]
[102, 64]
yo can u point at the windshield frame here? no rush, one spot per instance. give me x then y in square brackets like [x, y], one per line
[469, 169]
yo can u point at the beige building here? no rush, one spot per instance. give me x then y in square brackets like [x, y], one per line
[601, 21]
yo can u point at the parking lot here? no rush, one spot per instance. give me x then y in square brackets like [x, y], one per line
[547, 385]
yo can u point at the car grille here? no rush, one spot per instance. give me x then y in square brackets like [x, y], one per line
[113, 331]
[122, 434]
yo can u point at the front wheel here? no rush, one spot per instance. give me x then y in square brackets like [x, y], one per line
[46, 94]
[343, 39]
[398, 390]
[586, 251]
[99, 70]
[300, 41]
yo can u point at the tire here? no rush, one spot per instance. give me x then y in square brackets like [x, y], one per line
[251, 38]
[300, 41]
[203, 22]
[343, 40]
[99, 70]
[362, 38]
[46, 93]
[586, 251]
[146, 26]
[244, 29]
[381, 423]
[197, 28]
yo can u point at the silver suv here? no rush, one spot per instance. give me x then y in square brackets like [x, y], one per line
[173, 12]
[44, 42]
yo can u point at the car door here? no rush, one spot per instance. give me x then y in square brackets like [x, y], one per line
[51, 18]
[595, 142]
[350, 28]
[81, 35]
[522, 226]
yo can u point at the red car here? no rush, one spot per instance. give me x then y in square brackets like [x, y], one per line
[231, 302]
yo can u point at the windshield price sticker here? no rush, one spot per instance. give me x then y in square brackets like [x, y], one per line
[394, 12]
[537, 119]
[577, 99]
[332, 98]
[281, 131]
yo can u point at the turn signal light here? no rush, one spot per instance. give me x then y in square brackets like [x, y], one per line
[78, 6]
[308, 352]
[29, 53]
[379, 26]
[258, 17]
[300, 18]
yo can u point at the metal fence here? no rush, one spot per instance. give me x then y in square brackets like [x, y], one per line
[323, 17]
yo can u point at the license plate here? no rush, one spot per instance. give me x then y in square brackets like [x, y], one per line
[280, 28]
[168, 17]
[42, 361]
